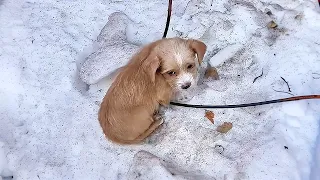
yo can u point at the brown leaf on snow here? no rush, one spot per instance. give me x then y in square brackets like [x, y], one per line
[209, 115]
[225, 127]
[272, 25]
[211, 72]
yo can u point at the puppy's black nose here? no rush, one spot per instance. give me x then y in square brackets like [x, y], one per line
[186, 85]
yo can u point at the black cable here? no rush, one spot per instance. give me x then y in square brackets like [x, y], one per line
[168, 19]
[295, 98]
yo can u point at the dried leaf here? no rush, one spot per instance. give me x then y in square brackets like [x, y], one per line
[225, 127]
[211, 72]
[209, 115]
[272, 25]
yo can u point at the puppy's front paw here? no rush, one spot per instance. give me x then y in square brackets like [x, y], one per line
[158, 119]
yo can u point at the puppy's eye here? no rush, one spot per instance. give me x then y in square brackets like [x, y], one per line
[190, 66]
[171, 73]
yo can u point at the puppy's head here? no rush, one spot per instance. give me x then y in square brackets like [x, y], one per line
[177, 60]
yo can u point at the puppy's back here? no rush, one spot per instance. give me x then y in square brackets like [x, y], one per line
[129, 103]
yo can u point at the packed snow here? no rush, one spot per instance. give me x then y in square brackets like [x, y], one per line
[58, 59]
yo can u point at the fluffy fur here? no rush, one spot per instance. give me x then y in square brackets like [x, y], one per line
[129, 110]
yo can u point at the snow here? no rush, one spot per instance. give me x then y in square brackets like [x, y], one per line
[112, 37]
[316, 163]
[54, 72]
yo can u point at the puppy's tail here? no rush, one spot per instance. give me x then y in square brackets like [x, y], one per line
[106, 126]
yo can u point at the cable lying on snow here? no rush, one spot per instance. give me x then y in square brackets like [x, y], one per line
[294, 98]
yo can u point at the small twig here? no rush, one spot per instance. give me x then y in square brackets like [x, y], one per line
[283, 92]
[318, 77]
[258, 77]
[286, 83]
[168, 19]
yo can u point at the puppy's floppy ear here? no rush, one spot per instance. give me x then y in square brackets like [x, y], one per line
[151, 65]
[198, 47]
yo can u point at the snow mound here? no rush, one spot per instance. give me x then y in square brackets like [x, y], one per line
[112, 50]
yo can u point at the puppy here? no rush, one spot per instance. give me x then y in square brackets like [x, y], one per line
[129, 111]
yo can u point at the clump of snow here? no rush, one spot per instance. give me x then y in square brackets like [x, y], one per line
[112, 52]
[48, 123]
[224, 54]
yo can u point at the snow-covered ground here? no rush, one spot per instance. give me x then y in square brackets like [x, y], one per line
[48, 116]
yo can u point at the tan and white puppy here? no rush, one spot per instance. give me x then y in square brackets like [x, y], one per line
[129, 110]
